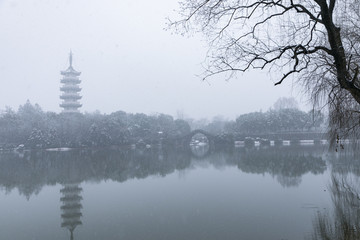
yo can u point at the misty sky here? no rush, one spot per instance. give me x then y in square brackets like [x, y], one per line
[128, 61]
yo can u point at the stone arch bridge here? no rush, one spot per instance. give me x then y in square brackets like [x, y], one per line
[213, 140]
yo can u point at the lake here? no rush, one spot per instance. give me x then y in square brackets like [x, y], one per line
[161, 193]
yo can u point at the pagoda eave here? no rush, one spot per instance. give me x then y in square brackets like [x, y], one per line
[70, 105]
[71, 97]
[70, 88]
[74, 73]
[70, 80]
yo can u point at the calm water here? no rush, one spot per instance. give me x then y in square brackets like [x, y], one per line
[271, 193]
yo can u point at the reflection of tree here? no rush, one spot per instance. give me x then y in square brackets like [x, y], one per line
[71, 207]
[29, 173]
[33, 170]
[289, 181]
[344, 222]
[287, 164]
[345, 162]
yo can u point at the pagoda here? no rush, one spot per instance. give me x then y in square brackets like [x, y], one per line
[70, 89]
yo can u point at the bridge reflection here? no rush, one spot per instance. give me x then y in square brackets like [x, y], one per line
[200, 151]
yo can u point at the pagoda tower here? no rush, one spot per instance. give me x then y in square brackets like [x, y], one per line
[70, 89]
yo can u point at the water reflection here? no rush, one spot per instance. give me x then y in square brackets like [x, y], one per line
[31, 171]
[344, 221]
[345, 162]
[287, 164]
[200, 151]
[193, 208]
[71, 207]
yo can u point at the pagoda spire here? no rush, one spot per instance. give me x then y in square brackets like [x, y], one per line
[70, 58]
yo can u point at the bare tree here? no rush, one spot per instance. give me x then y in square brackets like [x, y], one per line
[315, 41]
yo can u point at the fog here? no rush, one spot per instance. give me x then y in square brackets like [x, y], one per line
[128, 60]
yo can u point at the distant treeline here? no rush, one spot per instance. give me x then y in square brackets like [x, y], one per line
[34, 128]
[271, 121]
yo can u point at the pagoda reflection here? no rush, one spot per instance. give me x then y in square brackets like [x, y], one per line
[71, 207]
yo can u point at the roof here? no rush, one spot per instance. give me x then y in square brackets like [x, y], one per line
[70, 70]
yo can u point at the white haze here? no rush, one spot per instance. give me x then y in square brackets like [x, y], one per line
[128, 61]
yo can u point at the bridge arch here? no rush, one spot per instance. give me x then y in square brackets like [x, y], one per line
[189, 136]
[195, 149]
